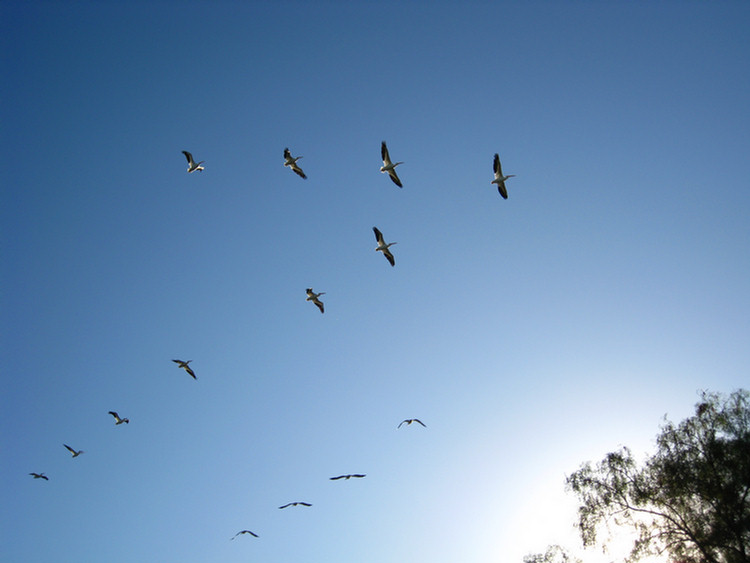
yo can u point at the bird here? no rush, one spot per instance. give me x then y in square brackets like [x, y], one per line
[246, 532]
[291, 161]
[388, 166]
[499, 178]
[383, 246]
[359, 476]
[74, 452]
[39, 476]
[295, 504]
[408, 421]
[312, 296]
[192, 166]
[119, 420]
[186, 367]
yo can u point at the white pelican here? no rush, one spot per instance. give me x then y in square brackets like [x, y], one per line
[408, 421]
[499, 178]
[119, 420]
[295, 504]
[39, 476]
[192, 166]
[291, 161]
[246, 532]
[71, 450]
[357, 475]
[186, 367]
[312, 296]
[388, 166]
[383, 246]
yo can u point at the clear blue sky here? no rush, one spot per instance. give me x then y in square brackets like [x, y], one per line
[529, 335]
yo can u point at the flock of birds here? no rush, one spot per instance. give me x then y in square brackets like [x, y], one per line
[389, 167]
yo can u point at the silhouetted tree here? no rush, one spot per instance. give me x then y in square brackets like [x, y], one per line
[690, 500]
[554, 554]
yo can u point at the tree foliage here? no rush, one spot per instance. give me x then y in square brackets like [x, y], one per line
[691, 499]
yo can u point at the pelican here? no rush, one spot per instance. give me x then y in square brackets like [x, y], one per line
[383, 246]
[295, 504]
[119, 420]
[357, 475]
[312, 296]
[186, 367]
[408, 421]
[71, 450]
[39, 476]
[388, 166]
[291, 161]
[246, 532]
[192, 166]
[499, 178]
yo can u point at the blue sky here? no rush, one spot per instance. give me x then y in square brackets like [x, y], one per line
[530, 335]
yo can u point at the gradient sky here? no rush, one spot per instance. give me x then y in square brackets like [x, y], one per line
[529, 335]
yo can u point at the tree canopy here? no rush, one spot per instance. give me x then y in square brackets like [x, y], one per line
[691, 499]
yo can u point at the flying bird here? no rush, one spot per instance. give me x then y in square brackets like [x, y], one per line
[383, 246]
[71, 450]
[291, 162]
[119, 420]
[312, 296]
[408, 421]
[192, 166]
[39, 476]
[357, 475]
[186, 367]
[388, 166]
[499, 178]
[246, 532]
[295, 504]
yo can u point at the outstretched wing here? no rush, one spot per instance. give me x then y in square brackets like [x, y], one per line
[378, 235]
[188, 156]
[384, 154]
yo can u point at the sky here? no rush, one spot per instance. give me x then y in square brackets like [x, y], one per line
[530, 335]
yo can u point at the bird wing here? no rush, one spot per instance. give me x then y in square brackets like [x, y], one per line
[503, 191]
[297, 170]
[420, 422]
[401, 424]
[357, 475]
[190, 371]
[288, 504]
[188, 156]
[394, 177]
[378, 235]
[71, 450]
[113, 413]
[320, 305]
[384, 154]
[305, 503]
[287, 154]
[496, 165]
[389, 256]
[336, 478]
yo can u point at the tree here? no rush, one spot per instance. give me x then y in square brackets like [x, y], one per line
[554, 554]
[690, 500]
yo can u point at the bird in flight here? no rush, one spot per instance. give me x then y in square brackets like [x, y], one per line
[295, 504]
[499, 178]
[388, 166]
[71, 450]
[383, 246]
[119, 420]
[192, 166]
[357, 475]
[408, 421]
[186, 367]
[246, 532]
[291, 162]
[39, 476]
[312, 296]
